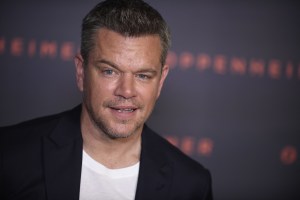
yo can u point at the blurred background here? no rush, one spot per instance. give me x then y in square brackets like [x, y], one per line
[231, 100]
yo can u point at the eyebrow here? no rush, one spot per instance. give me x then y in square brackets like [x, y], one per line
[113, 65]
[103, 61]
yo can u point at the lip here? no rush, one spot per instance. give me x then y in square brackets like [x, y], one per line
[123, 112]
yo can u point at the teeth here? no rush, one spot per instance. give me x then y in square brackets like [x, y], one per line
[125, 110]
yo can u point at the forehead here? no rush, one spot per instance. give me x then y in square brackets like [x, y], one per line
[112, 45]
[104, 34]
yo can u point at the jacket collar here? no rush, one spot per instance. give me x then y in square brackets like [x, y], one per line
[156, 171]
[63, 157]
[63, 160]
[68, 128]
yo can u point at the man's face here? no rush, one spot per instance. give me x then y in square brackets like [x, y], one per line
[121, 82]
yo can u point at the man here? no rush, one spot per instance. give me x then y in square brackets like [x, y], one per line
[102, 149]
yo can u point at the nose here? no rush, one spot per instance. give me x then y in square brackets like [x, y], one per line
[126, 86]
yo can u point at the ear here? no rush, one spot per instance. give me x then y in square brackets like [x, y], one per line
[164, 74]
[79, 65]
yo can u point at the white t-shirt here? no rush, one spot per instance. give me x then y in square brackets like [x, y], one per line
[101, 183]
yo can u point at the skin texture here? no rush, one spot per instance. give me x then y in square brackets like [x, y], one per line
[120, 82]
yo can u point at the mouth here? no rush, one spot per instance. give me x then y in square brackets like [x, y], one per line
[124, 109]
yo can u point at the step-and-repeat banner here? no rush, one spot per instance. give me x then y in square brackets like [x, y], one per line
[231, 100]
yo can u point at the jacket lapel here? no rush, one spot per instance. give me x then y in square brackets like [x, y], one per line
[63, 158]
[156, 172]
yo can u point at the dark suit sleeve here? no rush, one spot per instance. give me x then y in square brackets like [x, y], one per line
[208, 195]
[1, 162]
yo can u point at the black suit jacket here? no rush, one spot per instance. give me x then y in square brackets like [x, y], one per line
[41, 159]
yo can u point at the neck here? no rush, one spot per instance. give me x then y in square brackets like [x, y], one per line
[112, 153]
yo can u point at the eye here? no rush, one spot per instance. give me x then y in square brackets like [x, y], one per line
[143, 76]
[108, 72]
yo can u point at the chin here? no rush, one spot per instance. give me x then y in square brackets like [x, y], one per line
[121, 131]
[114, 134]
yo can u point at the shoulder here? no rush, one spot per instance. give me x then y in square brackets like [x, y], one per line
[31, 130]
[196, 178]
[24, 129]
[172, 153]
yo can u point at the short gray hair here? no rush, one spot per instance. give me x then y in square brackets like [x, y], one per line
[132, 18]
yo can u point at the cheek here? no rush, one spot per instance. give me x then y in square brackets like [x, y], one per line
[96, 92]
[100, 91]
[149, 95]
[91, 88]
